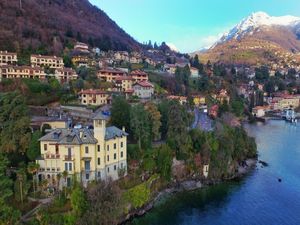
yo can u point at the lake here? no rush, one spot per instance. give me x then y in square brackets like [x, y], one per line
[258, 199]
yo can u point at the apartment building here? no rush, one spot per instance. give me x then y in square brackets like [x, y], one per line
[47, 61]
[8, 58]
[94, 97]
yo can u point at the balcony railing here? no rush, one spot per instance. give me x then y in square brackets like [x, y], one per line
[69, 157]
[52, 156]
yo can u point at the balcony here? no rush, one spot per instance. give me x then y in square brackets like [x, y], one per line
[69, 158]
[52, 156]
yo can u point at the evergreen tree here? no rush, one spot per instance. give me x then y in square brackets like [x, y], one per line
[34, 147]
[14, 130]
[178, 137]
[154, 119]
[140, 126]
[7, 214]
[120, 113]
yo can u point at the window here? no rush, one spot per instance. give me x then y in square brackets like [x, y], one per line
[87, 176]
[86, 150]
[99, 174]
[107, 147]
[70, 166]
[98, 148]
[45, 147]
[115, 146]
[108, 158]
[121, 144]
[66, 166]
[121, 154]
[115, 167]
[108, 169]
[121, 165]
[115, 156]
[99, 161]
[56, 149]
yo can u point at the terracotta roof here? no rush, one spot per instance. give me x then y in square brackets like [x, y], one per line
[111, 71]
[138, 72]
[7, 53]
[144, 84]
[46, 57]
[120, 78]
[93, 92]
[22, 67]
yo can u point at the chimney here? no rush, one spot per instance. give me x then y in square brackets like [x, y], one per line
[123, 128]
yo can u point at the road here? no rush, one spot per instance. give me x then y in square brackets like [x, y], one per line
[202, 121]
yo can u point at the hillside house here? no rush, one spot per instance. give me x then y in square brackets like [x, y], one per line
[143, 89]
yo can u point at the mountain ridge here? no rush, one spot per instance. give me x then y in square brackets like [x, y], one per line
[52, 24]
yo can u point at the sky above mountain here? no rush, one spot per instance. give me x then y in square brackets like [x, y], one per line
[189, 25]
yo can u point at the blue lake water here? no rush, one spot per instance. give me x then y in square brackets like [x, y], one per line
[259, 199]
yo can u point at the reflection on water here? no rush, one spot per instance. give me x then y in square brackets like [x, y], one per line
[258, 199]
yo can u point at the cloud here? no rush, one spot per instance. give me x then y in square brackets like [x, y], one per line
[209, 41]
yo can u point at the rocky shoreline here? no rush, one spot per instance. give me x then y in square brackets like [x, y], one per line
[187, 185]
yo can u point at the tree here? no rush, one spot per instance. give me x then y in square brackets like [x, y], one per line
[14, 120]
[32, 169]
[7, 214]
[65, 175]
[34, 147]
[104, 198]
[78, 201]
[21, 185]
[262, 73]
[164, 161]
[237, 107]
[120, 113]
[78, 37]
[178, 137]
[140, 126]
[154, 118]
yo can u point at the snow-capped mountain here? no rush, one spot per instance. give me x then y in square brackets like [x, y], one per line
[259, 39]
[256, 21]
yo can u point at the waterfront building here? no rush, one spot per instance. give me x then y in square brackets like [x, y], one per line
[285, 101]
[86, 154]
[259, 111]
[47, 61]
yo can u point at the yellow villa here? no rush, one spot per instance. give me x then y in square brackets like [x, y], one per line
[47, 61]
[199, 100]
[94, 97]
[110, 75]
[87, 154]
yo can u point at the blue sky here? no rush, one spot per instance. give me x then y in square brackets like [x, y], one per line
[188, 24]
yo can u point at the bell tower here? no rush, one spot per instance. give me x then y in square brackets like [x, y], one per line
[99, 127]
